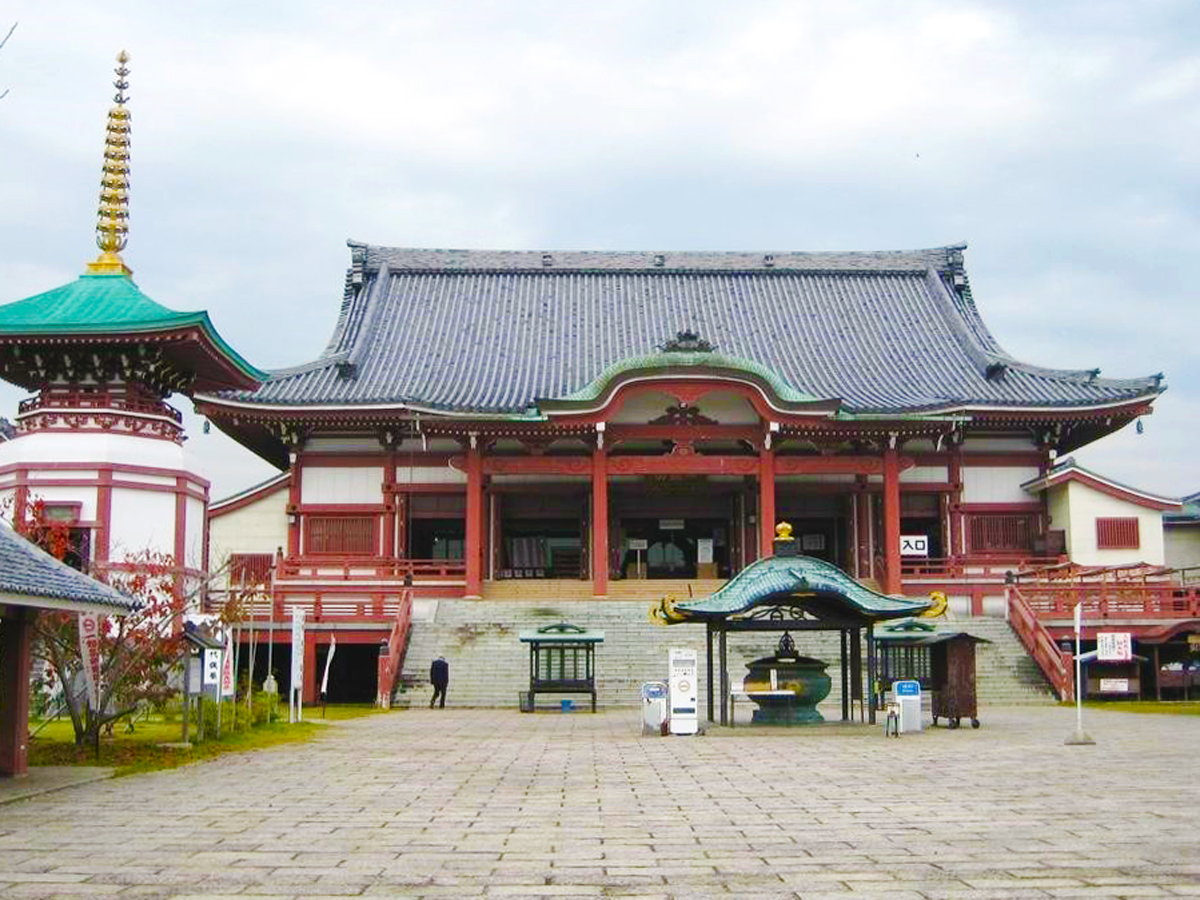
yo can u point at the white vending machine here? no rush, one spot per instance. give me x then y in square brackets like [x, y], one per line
[682, 681]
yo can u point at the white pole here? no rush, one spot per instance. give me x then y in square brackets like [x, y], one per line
[1080, 736]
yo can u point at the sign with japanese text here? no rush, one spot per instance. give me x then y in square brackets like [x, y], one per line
[914, 545]
[212, 666]
[297, 647]
[1114, 646]
[1114, 685]
[227, 681]
[89, 655]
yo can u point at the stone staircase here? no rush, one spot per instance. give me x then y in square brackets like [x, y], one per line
[489, 666]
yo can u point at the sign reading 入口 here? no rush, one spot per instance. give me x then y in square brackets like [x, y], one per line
[914, 545]
[1114, 646]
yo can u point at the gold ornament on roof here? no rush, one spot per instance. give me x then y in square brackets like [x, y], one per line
[112, 224]
[783, 531]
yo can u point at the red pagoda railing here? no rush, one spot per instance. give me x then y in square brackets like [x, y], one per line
[391, 659]
[99, 401]
[1057, 665]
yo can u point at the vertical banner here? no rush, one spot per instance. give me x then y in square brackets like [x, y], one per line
[89, 655]
[296, 691]
[328, 663]
[227, 665]
[212, 667]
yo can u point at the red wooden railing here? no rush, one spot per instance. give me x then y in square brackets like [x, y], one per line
[1057, 665]
[366, 568]
[99, 400]
[1112, 600]
[397, 643]
[988, 566]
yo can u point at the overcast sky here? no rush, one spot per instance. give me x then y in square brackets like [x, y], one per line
[1057, 138]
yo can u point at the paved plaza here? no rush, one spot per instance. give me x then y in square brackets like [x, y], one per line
[468, 803]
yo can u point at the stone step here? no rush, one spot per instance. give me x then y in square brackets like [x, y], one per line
[490, 667]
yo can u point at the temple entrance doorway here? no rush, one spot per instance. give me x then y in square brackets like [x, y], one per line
[821, 524]
[675, 548]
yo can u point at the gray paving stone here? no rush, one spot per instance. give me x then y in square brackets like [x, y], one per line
[470, 803]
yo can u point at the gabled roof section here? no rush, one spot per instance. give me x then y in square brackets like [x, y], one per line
[1189, 514]
[108, 305]
[249, 495]
[29, 576]
[498, 333]
[771, 579]
[1070, 471]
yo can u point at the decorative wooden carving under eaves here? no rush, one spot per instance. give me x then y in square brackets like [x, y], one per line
[683, 414]
[687, 342]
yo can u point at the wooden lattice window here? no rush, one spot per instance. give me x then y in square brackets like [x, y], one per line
[341, 534]
[250, 568]
[1117, 533]
[1001, 533]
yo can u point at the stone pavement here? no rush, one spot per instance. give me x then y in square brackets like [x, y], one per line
[470, 803]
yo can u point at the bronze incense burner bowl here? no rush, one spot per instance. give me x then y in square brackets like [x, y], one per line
[792, 695]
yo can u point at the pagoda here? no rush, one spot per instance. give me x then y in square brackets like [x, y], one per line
[97, 442]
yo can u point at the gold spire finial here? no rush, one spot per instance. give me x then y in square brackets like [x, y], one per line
[113, 216]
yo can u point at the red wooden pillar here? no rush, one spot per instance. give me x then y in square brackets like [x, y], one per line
[16, 637]
[953, 499]
[474, 514]
[766, 503]
[310, 666]
[891, 519]
[293, 505]
[389, 506]
[864, 550]
[599, 522]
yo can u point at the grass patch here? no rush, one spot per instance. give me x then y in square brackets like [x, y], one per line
[139, 751]
[1149, 707]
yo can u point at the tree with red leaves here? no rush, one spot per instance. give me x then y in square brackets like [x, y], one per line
[137, 652]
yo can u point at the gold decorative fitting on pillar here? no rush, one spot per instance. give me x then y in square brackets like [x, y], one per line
[783, 531]
[112, 224]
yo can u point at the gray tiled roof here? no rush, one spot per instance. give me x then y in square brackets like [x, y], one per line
[497, 331]
[28, 571]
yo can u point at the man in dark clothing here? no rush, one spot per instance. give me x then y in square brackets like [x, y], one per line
[439, 677]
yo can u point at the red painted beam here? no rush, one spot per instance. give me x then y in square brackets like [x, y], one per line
[891, 520]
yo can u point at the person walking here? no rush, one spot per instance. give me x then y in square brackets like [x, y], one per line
[439, 677]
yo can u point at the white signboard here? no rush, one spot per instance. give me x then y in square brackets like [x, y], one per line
[297, 647]
[638, 543]
[1114, 685]
[212, 667]
[704, 550]
[670, 524]
[914, 545]
[1114, 646]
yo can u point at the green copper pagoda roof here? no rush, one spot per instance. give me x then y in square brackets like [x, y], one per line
[108, 304]
[778, 578]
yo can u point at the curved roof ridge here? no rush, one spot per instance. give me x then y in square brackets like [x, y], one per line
[968, 327]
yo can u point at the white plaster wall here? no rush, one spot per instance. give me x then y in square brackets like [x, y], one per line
[937, 474]
[728, 409]
[1086, 505]
[141, 520]
[193, 541]
[341, 484]
[90, 447]
[998, 445]
[429, 475]
[84, 495]
[1060, 512]
[996, 484]
[1181, 546]
[259, 527]
[343, 445]
[642, 408]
